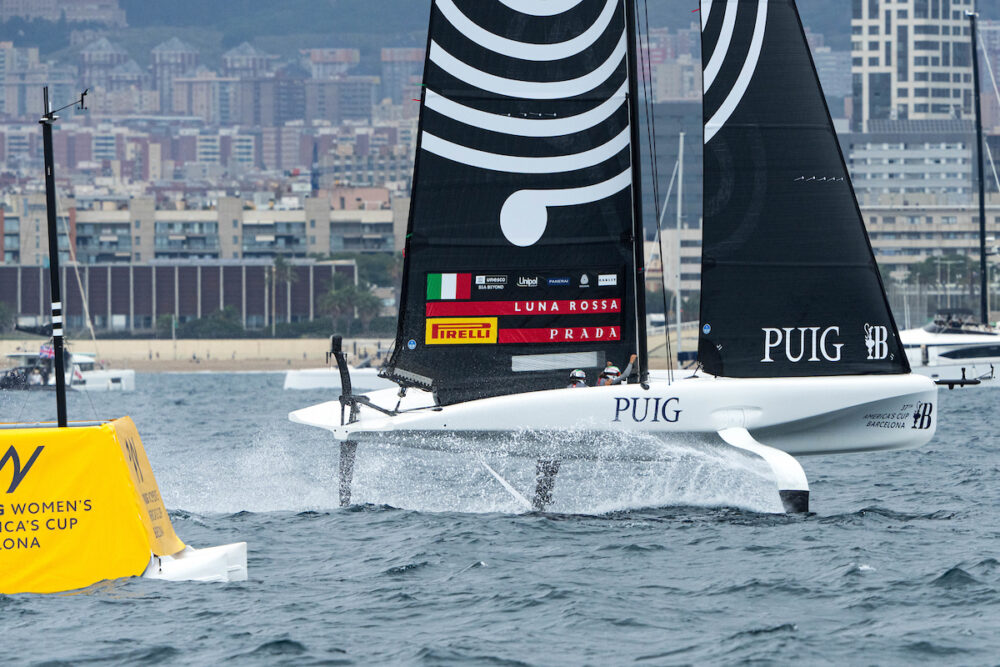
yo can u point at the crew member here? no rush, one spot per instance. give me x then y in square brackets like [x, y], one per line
[577, 378]
[611, 375]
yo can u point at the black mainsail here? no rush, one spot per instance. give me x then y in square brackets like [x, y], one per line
[790, 286]
[523, 254]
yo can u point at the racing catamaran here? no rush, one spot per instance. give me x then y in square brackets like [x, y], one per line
[524, 256]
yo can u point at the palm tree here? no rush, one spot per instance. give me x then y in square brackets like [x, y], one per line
[283, 271]
[367, 306]
[336, 302]
[352, 301]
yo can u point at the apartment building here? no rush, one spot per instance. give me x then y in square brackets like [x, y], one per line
[911, 60]
[135, 230]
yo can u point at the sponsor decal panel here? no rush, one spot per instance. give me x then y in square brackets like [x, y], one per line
[448, 286]
[919, 416]
[560, 335]
[607, 279]
[461, 331]
[527, 281]
[558, 282]
[533, 307]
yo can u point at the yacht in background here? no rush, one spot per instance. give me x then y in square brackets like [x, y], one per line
[33, 370]
[954, 347]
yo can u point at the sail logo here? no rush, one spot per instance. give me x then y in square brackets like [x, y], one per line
[877, 342]
[15, 461]
[922, 419]
[607, 279]
[797, 342]
[466, 331]
[527, 281]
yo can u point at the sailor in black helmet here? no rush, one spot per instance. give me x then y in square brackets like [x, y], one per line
[611, 375]
[577, 378]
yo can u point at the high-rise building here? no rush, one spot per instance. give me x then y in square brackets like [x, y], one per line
[244, 61]
[98, 60]
[911, 60]
[398, 65]
[171, 59]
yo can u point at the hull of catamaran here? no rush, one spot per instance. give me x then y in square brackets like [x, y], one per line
[796, 415]
[954, 356]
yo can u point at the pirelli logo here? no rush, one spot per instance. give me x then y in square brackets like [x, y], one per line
[461, 331]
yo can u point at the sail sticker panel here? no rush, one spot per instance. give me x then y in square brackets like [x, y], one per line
[524, 307]
[790, 286]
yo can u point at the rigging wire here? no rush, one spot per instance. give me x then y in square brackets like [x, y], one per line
[659, 244]
[651, 147]
[84, 297]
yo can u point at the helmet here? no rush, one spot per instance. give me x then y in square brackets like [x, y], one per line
[577, 375]
[611, 371]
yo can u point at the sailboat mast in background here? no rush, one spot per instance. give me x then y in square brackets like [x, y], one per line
[983, 282]
[47, 121]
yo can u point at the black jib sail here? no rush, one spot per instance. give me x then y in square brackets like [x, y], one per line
[521, 252]
[789, 282]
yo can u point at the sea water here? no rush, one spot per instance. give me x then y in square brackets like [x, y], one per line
[681, 561]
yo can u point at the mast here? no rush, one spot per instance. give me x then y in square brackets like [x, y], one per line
[47, 121]
[680, 208]
[639, 237]
[50, 204]
[983, 310]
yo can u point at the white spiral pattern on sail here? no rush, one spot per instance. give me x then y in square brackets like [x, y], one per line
[739, 89]
[526, 127]
[541, 7]
[522, 50]
[532, 90]
[524, 216]
[722, 47]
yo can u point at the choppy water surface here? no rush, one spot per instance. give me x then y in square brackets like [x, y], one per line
[899, 564]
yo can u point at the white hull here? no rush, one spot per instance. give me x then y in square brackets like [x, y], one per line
[796, 415]
[362, 379]
[103, 380]
[774, 419]
[220, 564]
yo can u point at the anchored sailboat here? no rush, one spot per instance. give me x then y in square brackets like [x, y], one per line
[953, 349]
[78, 500]
[524, 255]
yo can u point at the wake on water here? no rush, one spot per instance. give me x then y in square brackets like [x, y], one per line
[277, 472]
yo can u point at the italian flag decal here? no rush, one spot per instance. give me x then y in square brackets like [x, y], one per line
[448, 285]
